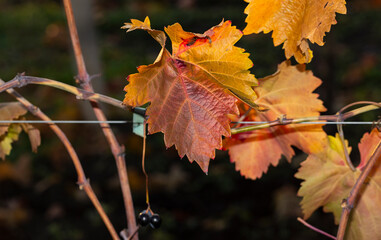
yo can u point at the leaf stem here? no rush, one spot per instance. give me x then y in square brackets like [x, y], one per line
[348, 203]
[315, 228]
[83, 182]
[116, 149]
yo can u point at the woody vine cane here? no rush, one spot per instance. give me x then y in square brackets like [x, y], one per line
[117, 150]
[193, 94]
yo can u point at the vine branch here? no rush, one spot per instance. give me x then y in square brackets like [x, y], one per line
[348, 203]
[284, 120]
[21, 80]
[315, 228]
[117, 150]
[82, 181]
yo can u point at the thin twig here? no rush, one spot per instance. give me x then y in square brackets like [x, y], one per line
[144, 166]
[359, 103]
[83, 182]
[285, 121]
[21, 80]
[342, 140]
[315, 228]
[117, 150]
[348, 203]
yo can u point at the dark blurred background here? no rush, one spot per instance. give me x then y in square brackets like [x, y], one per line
[39, 198]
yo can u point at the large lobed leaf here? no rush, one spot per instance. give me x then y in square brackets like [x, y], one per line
[288, 91]
[293, 22]
[328, 180]
[190, 90]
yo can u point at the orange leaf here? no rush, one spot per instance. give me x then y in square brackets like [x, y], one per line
[214, 53]
[328, 180]
[188, 89]
[293, 22]
[288, 91]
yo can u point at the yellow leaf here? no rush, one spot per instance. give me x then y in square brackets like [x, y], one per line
[293, 22]
[215, 54]
[328, 180]
[159, 36]
[7, 139]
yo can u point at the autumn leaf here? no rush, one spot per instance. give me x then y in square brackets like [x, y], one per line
[10, 132]
[293, 23]
[328, 180]
[215, 54]
[33, 134]
[8, 138]
[10, 111]
[190, 89]
[159, 36]
[287, 92]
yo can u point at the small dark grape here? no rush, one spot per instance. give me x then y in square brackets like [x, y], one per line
[143, 219]
[155, 221]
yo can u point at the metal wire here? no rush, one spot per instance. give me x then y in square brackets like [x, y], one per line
[129, 121]
[68, 121]
[322, 122]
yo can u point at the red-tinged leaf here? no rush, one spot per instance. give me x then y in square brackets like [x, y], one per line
[189, 90]
[293, 22]
[328, 180]
[8, 138]
[288, 91]
[186, 106]
[371, 139]
[215, 54]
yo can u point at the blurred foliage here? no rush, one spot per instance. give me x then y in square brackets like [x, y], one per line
[38, 195]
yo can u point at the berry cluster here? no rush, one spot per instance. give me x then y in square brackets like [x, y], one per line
[148, 217]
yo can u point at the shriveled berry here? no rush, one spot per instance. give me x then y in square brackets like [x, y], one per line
[155, 221]
[143, 219]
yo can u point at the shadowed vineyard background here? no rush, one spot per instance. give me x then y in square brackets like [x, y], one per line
[38, 195]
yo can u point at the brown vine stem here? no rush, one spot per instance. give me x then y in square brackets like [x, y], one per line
[348, 203]
[83, 182]
[117, 150]
[315, 228]
[285, 121]
[21, 80]
[341, 132]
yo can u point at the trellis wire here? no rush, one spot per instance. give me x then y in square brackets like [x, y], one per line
[128, 121]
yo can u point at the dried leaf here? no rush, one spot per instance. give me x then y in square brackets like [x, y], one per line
[10, 111]
[33, 134]
[328, 180]
[288, 91]
[159, 36]
[9, 132]
[293, 23]
[188, 89]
